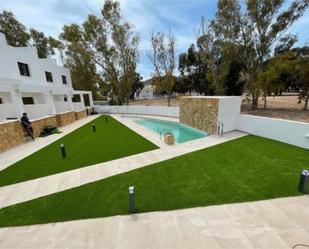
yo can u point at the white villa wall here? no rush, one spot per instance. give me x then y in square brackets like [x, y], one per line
[229, 110]
[35, 85]
[62, 106]
[142, 110]
[7, 111]
[37, 67]
[78, 106]
[291, 132]
[37, 111]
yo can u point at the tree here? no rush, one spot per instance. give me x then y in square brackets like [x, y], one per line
[111, 45]
[79, 61]
[45, 45]
[193, 70]
[255, 28]
[303, 70]
[18, 36]
[137, 85]
[15, 32]
[162, 57]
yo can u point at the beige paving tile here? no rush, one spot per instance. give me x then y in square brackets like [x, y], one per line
[223, 226]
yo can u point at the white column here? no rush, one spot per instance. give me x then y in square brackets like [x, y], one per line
[82, 100]
[50, 102]
[17, 102]
[90, 99]
[69, 97]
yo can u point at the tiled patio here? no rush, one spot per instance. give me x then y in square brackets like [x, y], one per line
[272, 224]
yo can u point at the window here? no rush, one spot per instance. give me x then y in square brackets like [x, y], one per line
[65, 99]
[86, 99]
[76, 98]
[1, 102]
[64, 79]
[28, 101]
[49, 77]
[23, 69]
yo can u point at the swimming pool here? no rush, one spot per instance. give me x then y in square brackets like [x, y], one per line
[181, 132]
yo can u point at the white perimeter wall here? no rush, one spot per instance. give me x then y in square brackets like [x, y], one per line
[143, 110]
[229, 110]
[286, 131]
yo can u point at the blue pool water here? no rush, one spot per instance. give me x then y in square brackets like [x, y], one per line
[181, 132]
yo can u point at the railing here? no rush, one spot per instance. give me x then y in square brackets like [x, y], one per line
[37, 110]
[142, 110]
[78, 106]
[62, 106]
[7, 111]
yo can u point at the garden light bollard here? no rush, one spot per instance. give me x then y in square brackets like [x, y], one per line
[63, 153]
[132, 199]
[94, 128]
[105, 118]
[304, 181]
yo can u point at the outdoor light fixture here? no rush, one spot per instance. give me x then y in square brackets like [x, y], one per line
[63, 153]
[93, 127]
[132, 199]
[304, 181]
[105, 118]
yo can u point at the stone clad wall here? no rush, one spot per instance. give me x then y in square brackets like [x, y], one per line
[40, 123]
[11, 134]
[64, 119]
[200, 113]
[80, 115]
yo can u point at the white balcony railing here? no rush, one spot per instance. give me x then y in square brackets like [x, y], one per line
[37, 110]
[78, 106]
[62, 106]
[7, 111]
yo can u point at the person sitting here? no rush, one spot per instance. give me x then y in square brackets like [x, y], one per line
[25, 122]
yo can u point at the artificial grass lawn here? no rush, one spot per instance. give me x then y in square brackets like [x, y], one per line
[84, 147]
[247, 169]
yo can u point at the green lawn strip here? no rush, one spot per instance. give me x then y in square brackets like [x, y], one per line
[247, 169]
[112, 140]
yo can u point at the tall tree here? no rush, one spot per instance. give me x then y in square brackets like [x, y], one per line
[15, 32]
[79, 61]
[45, 45]
[162, 57]
[111, 45]
[303, 70]
[137, 85]
[255, 28]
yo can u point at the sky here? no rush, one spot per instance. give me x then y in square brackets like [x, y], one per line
[182, 17]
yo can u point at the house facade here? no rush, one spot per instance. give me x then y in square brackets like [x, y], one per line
[39, 87]
[36, 86]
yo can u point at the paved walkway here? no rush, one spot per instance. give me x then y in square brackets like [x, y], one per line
[32, 189]
[273, 224]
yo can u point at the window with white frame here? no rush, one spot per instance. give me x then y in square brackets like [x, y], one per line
[23, 69]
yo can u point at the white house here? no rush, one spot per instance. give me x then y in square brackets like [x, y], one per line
[36, 86]
[146, 92]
